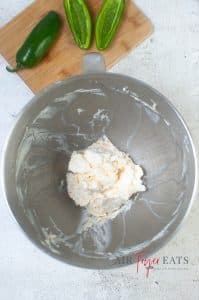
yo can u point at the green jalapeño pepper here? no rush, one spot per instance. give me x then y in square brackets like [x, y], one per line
[38, 42]
[107, 22]
[79, 21]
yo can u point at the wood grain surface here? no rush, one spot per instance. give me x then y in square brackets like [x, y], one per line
[64, 59]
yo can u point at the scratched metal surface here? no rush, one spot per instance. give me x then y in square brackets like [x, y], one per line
[170, 67]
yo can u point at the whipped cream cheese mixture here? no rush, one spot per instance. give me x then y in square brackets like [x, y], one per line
[102, 179]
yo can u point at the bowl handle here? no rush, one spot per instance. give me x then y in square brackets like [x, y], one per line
[93, 63]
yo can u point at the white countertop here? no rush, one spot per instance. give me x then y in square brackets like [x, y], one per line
[169, 61]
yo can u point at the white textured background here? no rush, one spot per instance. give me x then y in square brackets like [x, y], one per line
[169, 61]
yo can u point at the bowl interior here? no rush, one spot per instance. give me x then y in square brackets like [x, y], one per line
[70, 116]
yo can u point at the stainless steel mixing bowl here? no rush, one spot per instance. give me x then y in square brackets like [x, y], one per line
[72, 114]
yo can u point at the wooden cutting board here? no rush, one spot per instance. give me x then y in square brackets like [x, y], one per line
[64, 59]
